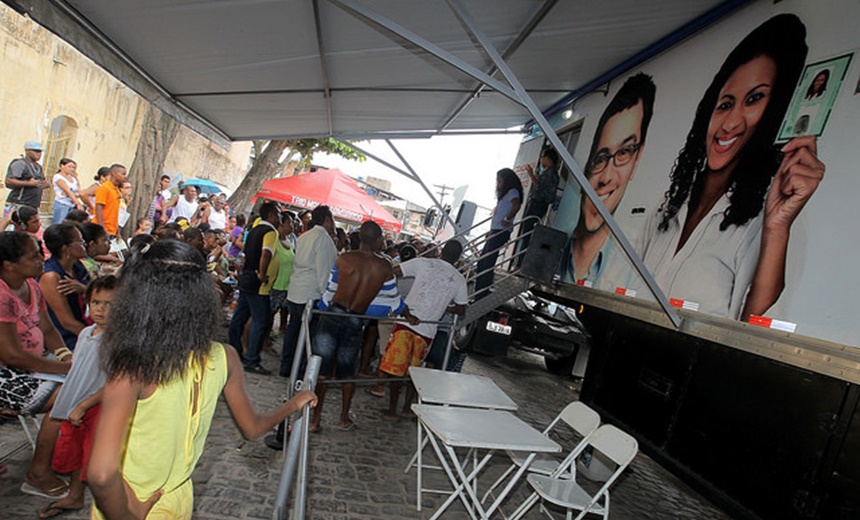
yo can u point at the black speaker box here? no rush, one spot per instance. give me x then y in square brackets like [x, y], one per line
[542, 257]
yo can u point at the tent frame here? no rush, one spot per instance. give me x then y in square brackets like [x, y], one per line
[516, 93]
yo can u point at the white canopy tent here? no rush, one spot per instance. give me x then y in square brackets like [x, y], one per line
[360, 69]
[302, 68]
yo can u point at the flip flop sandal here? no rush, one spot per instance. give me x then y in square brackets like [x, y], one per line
[49, 512]
[53, 493]
[374, 394]
[348, 427]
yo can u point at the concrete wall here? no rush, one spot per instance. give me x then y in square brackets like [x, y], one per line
[195, 156]
[44, 78]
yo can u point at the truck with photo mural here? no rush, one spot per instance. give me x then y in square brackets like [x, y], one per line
[711, 157]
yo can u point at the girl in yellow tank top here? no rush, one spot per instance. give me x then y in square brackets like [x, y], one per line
[164, 378]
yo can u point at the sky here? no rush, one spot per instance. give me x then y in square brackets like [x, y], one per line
[451, 160]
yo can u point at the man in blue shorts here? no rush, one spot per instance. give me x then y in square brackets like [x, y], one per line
[361, 284]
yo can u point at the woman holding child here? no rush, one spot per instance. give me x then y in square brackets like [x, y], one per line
[64, 281]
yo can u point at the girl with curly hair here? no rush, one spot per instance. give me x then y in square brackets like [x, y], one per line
[720, 236]
[164, 377]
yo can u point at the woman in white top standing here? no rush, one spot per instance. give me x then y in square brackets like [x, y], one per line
[66, 190]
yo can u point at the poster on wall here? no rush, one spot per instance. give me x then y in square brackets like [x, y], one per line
[698, 179]
[814, 98]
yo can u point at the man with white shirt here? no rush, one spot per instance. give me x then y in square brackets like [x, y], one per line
[315, 256]
[591, 255]
[184, 205]
[438, 287]
[217, 215]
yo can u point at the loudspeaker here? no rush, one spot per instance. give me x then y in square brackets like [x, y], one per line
[466, 215]
[542, 257]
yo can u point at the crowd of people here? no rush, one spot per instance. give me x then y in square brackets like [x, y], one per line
[113, 340]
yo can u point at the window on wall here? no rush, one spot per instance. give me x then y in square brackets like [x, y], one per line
[570, 137]
[60, 143]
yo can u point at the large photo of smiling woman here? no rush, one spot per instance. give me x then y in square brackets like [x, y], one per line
[720, 236]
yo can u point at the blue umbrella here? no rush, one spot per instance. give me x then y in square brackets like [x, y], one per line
[204, 186]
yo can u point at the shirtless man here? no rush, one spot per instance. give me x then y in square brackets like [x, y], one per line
[362, 282]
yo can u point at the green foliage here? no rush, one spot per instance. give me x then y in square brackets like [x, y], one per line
[307, 148]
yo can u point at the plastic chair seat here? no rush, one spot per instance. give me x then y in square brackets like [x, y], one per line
[580, 418]
[565, 493]
[542, 464]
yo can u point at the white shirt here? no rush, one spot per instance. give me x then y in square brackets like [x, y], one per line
[60, 195]
[714, 268]
[315, 257]
[437, 283]
[183, 208]
[217, 219]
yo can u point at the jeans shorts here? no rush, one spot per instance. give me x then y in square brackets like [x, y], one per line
[338, 342]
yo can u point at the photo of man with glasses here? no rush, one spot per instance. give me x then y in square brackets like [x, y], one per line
[590, 256]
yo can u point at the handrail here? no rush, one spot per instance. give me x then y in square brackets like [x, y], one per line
[473, 226]
[471, 245]
[296, 454]
[512, 240]
[486, 236]
[506, 260]
[296, 446]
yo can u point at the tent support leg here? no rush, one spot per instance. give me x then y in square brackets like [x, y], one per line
[410, 173]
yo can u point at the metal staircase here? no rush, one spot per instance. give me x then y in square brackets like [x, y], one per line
[502, 291]
[507, 283]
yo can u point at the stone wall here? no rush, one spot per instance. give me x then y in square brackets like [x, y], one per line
[96, 119]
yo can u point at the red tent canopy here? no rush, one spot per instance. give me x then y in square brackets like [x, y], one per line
[334, 189]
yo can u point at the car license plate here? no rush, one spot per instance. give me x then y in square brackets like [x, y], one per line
[492, 326]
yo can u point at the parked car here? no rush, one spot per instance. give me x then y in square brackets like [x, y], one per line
[534, 324]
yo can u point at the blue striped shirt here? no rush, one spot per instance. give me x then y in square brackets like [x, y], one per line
[387, 302]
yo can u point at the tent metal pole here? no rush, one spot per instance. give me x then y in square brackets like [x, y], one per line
[386, 135]
[417, 179]
[526, 31]
[409, 174]
[529, 104]
[323, 65]
[435, 50]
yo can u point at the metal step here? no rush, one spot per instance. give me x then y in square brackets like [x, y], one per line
[503, 291]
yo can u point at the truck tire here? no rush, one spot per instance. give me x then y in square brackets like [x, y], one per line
[561, 366]
[469, 338]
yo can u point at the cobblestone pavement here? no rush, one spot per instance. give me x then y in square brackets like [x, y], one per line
[359, 474]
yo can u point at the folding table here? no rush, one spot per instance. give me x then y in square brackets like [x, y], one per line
[455, 389]
[452, 389]
[450, 427]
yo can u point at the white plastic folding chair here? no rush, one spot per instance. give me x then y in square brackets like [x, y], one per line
[562, 489]
[580, 417]
[30, 437]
